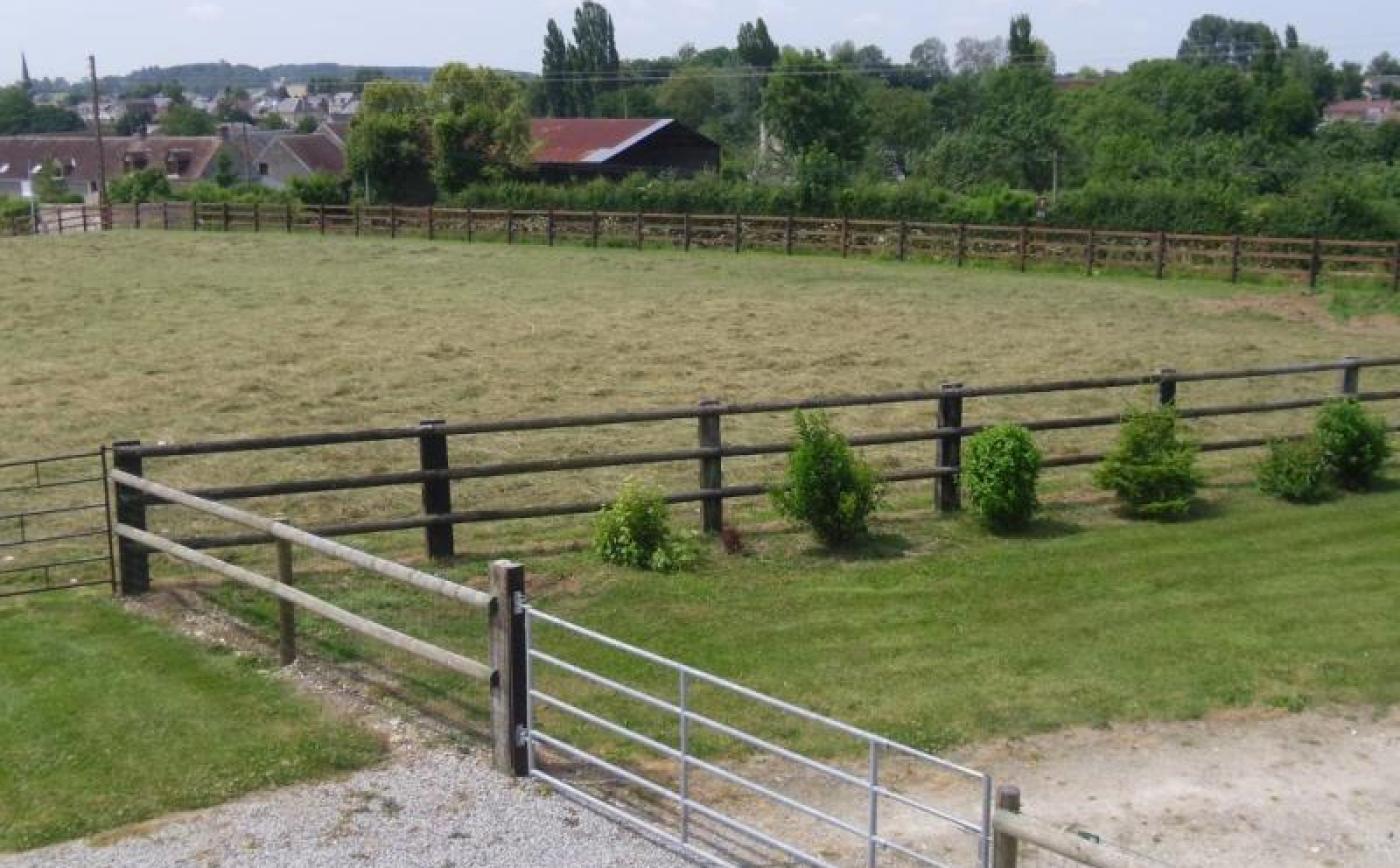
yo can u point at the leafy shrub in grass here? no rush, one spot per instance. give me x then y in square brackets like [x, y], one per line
[1152, 468]
[635, 531]
[999, 470]
[1295, 470]
[828, 487]
[1353, 442]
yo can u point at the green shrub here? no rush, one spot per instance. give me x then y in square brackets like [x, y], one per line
[635, 531]
[1295, 470]
[829, 488]
[1152, 468]
[1354, 443]
[999, 470]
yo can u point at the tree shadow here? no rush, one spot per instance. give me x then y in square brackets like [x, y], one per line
[873, 547]
[1040, 528]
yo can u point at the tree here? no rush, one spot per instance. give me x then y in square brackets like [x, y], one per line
[555, 71]
[593, 56]
[272, 121]
[185, 120]
[389, 150]
[901, 123]
[930, 57]
[306, 125]
[755, 47]
[133, 122]
[688, 96]
[320, 188]
[1290, 112]
[1020, 47]
[1384, 64]
[811, 101]
[49, 185]
[224, 175]
[20, 116]
[480, 127]
[973, 56]
[1350, 81]
[1290, 37]
[1211, 39]
[146, 185]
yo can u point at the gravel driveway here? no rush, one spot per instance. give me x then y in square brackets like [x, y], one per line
[429, 808]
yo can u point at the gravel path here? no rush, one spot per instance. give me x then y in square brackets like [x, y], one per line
[431, 808]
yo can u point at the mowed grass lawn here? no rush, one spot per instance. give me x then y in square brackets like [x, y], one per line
[108, 719]
[938, 634]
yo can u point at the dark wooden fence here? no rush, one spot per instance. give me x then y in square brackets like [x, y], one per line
[948, 406]
[1231, 257]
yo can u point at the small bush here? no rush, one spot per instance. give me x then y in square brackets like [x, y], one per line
[635, 531]
[1353, 443]
[1152, 468]
[999, 469]
[1295, 471]
[829, 488]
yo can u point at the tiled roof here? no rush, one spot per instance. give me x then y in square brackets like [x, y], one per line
[588, 140]
[78, 154]
[317, 152]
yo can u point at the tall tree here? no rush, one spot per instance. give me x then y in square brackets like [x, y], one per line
[555, 70]
[972, 56]
[930, 57]
[389, 149]
[1020, 46]
[480, 128]
[1211, 39]
[812, 103]
[593, 56]
[756, 47]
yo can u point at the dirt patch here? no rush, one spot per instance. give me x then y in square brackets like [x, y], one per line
[1304, 309]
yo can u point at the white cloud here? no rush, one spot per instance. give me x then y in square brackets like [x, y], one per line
[204, 11]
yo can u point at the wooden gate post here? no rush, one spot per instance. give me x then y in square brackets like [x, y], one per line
[1004, 847]
[1166, 387]
[132, 557]
[437, 493]
[1350, 381]
[509, 697]
[950, 411]
[286, 611]
[711, 467]
[1315, 262]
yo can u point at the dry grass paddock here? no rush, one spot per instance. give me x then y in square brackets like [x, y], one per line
[172, 337]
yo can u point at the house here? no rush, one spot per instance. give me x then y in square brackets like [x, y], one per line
[183, 159]
[293, 109]
[1366, 111]
[291, 156]
[590, 147]
[1377, 86]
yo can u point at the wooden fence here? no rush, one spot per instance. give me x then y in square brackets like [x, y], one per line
[435, 474]
[1231, 257]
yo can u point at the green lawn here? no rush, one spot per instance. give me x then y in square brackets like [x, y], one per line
[107, 719]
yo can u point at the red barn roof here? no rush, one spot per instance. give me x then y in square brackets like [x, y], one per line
[589, 140]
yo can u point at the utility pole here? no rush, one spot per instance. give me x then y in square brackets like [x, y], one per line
[101, 153]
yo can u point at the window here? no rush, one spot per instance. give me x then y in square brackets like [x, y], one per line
[262, 169]
[92, 186]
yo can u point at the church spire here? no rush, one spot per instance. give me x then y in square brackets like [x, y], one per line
[24, 81]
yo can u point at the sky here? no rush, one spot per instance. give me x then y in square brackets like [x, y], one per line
[1098, 33]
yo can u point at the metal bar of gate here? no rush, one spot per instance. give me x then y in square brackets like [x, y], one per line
[685, 715]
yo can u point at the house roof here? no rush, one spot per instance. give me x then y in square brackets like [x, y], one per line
[1361, 108]
[19, 155]
[317, 152]
[589, 140]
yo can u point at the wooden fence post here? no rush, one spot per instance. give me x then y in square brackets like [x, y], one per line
[135, 216]
[393, 221]
[1395, 270]
[1315, 262]
[845, 236]
[1004, 847]
[1350, 381]
[961, 250]
[711, 467]
[1089, 253]
[85, 218]
[738, 232]
[594, 227]
[1235, 259]
[685, 231]
[1161, 254]
[903, 239]
[950, 412]
[641, 228]
[359, 218]
[165, 216]
[432, 225]
[132, 557]
[321, 215]
[471, 224]
[1166, 387]
[437, 493]
[289, 218]
[549, 228]
[225, 215]
[510, 226]
[787, 235]
[194, 216]
[58, 210]
[1023, 245]
[286, 611]
[257, 217]
[509, 697]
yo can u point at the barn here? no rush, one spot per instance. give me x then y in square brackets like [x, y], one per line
[567, 148]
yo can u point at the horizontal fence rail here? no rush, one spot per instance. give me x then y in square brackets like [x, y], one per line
[691, 805]
[1309, 260]
[949, 405]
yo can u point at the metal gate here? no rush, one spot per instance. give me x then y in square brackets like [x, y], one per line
[55, 530]
[670, 801]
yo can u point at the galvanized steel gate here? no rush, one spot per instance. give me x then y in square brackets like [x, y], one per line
[554, 760]
[55, 524]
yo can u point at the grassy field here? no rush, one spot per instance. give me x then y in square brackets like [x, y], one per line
[106, 719]
[938, 634]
